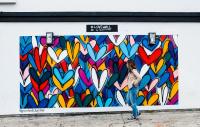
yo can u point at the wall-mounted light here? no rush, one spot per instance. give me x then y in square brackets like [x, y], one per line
[152, 38]
[49, 38]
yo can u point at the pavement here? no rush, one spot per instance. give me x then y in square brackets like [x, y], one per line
[120, 119]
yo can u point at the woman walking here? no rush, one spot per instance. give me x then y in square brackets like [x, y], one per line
[133, 80]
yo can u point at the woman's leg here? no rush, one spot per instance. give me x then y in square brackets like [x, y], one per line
[133, 98]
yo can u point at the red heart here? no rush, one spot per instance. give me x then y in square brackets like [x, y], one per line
[40, 60]
[37, 86]
[148, 59]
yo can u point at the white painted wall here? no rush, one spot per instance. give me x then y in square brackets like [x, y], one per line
[104, 5]
[188, 44]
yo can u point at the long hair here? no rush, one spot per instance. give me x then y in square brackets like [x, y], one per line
[131, 65]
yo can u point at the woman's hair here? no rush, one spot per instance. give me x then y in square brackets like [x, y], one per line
[131, 65]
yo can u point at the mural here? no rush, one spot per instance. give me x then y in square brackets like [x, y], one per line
[90, 70]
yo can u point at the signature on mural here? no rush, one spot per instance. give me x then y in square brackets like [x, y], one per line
[90, 70]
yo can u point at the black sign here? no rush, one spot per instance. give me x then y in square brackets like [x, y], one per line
[102, 28]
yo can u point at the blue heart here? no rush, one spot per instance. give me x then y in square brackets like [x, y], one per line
[129, 52]
[138, 62]
[63, 78]
[163, 79]
[26, 89]
[145, 80]
[96, 56]
[23, 101]
[146, 44]
[52, 101]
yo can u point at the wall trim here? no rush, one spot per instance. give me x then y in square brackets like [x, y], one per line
[99, 16]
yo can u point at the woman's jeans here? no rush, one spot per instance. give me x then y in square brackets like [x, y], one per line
[131, 100]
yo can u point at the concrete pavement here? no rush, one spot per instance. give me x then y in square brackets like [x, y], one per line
[150, 119]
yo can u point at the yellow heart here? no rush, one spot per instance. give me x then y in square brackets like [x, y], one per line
[61, 101]
[158, 67]
[153, 99]
[50, 60]
[174, 90]
[165, 47]
[118, 51]
[85, 40]
[70, 102]
[64, 86]
[73, 52]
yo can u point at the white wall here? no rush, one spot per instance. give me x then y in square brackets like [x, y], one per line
[104, 5]
[188, 44]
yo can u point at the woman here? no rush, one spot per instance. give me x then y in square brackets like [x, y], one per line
[133, 80]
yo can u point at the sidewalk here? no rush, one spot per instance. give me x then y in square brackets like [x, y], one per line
[154, 119]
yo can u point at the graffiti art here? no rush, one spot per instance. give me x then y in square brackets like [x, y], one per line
[90, 70]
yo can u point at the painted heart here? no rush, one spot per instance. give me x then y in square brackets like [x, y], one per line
[96, 56]
[157, 68]
[120, 98]
[39, 82]
[23, 101]
[39, 61]
[145, 80]
[163, 94]
[25, 73]
[73, 53]
[146, 44]
[148, 59]
[117, 39]
[122, 86]
[100, 102]
[55, 56]
[83, 77]
[144, 70]
[63, 80]
[99, 82]
[65, 103]
[25, 82]
[163, 79]
[129, 52]
[26, 89]
[152, 84]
